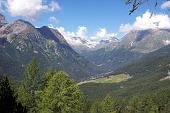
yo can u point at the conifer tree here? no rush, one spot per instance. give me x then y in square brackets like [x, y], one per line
[61, 95]
[28, 90]
[8, 102]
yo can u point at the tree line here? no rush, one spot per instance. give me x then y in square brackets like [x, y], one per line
[153, 103]
[56, 92]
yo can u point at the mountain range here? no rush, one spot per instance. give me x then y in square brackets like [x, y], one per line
[131, 47]
[20, 41]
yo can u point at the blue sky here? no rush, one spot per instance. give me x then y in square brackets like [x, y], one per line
[71, 14]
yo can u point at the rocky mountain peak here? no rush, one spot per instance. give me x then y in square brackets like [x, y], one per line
[22, 22]
[52, 34]
[145, 41]
[21, 25]
[110, 40]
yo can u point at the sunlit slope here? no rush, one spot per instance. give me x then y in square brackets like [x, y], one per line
[149, 75]
[109, 79]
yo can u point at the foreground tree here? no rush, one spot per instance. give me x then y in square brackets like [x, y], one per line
[113, 105]
[96, 107]
[61, 95]
[48, 75]
[135, 4]
[29, 87]
[8, 103]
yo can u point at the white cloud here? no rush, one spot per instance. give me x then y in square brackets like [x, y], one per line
[66, 34]
[2, 5]
[103, 34]
[54, 6]
[165, 5]
[125, 28]
[29, 8]
[69, 36]
[53, 20]
[146, 21]
[82, 34]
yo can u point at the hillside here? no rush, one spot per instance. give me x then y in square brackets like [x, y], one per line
[111, 60]
[20, 41]
[108, 79]
[148, 76]
[131, 47]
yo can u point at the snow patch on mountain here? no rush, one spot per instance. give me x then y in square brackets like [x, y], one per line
[80, 40]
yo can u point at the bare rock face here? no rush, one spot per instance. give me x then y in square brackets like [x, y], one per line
[146, 41]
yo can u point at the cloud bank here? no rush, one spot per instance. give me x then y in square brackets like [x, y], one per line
[28, 8]
[146, 21]
[165, 5]
[82, 32]
[81, 36]
[53, 20]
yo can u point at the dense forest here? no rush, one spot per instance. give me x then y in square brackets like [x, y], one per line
[56, 92]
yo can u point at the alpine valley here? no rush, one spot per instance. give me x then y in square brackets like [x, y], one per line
[111, 71]
[20, 41]
[86, 56]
